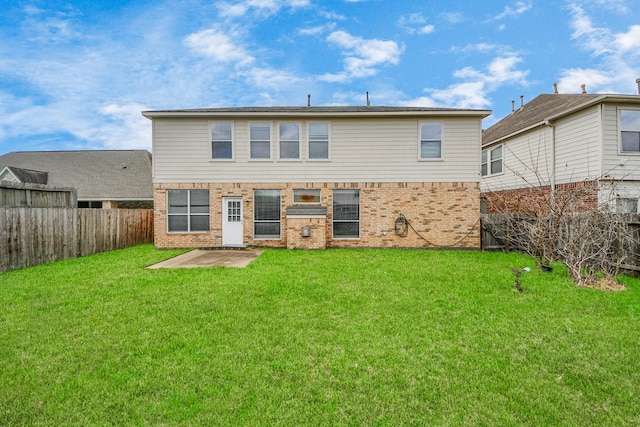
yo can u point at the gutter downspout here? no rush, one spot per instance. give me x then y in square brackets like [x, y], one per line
[553, 157]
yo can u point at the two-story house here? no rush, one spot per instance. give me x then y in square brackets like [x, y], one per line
[316, 177]
[562, 141]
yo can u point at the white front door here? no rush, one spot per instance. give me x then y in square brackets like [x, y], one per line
[232, 221]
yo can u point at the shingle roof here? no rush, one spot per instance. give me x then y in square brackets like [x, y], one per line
[320, 110]
[535, 111]
[95, 174]
[27, 176]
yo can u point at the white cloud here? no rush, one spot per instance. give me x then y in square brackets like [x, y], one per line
[629, 41]
[362, 55]
[453, 17]
[598, 40]
[415, 23]
[518, 8]
[473, 93]
[124, 127]
[314, 31]
[618, 54]
[218, 45]
[262, 7]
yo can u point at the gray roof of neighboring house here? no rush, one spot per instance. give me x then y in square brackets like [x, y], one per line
[535, 111]
[547, 107]
[27, 176]
[95, 174]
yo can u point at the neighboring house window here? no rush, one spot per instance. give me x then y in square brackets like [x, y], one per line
[492, 161]
[188, 210]
[626, 205]
[346, 214]
[319, 141]
[90, 204]
[266, 214]
[289, 141]
[306, 195]
[221, 140]
[431, 140]
[260, 140]
[630, 130]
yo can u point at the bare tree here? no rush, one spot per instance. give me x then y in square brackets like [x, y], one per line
[564, 223]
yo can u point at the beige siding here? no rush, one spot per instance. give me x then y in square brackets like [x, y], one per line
[526, 162]
[361, 150]
[618, 165]
[578, 149]
[528, 158]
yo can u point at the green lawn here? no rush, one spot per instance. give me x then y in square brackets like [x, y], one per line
[336, 337]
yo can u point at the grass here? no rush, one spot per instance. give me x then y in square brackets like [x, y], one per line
[336, 337]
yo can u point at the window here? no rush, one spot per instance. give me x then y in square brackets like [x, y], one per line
[260, 140]
[306, 195]
[630, 130]
[626, 205]
[492, 161]
[319, 141]
[221, 141]
[289, 141]
[266, 214]
[346, 214]
[188, 210]
[431, 140]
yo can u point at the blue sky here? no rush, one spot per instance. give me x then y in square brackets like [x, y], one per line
[77, 74]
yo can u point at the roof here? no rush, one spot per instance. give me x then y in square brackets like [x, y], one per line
[95, 174]
[360, 111]
[547, 107]
[27, 176]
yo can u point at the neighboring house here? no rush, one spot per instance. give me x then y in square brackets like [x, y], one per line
[563, 141]
[316, 177]
[101, 178]
[23, 176]
[28, 188]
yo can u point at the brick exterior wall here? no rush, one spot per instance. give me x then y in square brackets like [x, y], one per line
[444, 214]
[317, 239]
[581, 195]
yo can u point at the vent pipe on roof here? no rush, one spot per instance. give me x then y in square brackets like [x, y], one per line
[638, 83]
[368, 103]
[513, 105]
[308, 100]
[521, 101]
[584, 88]
[555, 88]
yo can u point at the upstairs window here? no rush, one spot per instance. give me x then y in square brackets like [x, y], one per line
[630, 131]
[187, 210]
[221, 140]
[492, 161]
[430, 140]
[319, 141]
[260, 140]
[289, 140]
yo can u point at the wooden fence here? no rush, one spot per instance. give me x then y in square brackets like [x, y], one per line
[32, 236]
[495, 234]
[36, 196]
